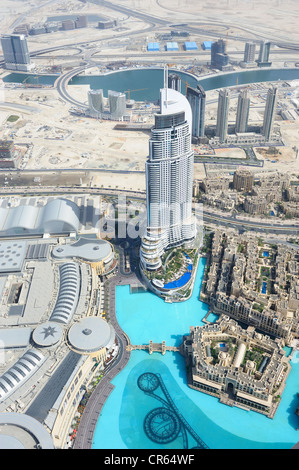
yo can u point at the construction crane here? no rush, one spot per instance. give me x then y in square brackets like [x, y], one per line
[129, 91]
[187, 84]
[24, 82]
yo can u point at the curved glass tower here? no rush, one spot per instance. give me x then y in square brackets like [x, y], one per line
[169, 180]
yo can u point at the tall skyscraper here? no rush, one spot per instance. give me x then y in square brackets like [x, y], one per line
[174, 81]
[242, 111]
[117, 104]
[270, 113]
[169, 180]
[197, 101]
[249, 55]
[218, 47]
[96, 102]
[264, 52]
[16, 53]
[219, 57]
[222, 114]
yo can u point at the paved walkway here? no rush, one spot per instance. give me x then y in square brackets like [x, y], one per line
[89, 418]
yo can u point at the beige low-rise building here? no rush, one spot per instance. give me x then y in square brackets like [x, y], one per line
[239, 366]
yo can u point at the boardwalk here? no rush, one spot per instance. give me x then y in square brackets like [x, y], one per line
[89, 418]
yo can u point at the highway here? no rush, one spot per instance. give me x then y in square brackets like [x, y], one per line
[243, 224]
[282, 42]
[61, 85]
[208, 216]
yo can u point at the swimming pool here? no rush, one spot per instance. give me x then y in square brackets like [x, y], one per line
[132, 418]
[264, 287]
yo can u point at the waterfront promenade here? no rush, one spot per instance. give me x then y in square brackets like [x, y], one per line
[91, 413]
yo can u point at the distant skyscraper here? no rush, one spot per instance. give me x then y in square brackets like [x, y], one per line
[219, 57]
[82, 21]
[174, 82]
[264, 52]
[169, 180]
[222, 114]
[68, 25]
[249, 52]
[218, 47]
[96, 102]
[270, 113]
[16, 53]
[242, 111]
[117, 104]
[197, 101]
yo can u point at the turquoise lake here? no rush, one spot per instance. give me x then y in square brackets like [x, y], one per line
[132, 419]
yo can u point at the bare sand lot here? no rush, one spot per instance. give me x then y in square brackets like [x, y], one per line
[60, 139]
[230, 153]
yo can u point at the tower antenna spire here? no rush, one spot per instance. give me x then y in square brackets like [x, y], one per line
[166, 82]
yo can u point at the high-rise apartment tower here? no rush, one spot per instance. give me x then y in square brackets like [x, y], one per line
[219, 57]
[197, 101]
[243, 180]
[222, 114]
[264, 52]
[117, 104]
[16, 53]
[249, 52]
[96, 102]
[169, 180]
[174, 81]
[270, 113]
[242, 111]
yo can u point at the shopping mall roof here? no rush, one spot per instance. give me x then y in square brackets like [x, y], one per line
[57, 216]
[20, 372]
[68, 295]
[20, 431]
[91, 334]
[15, 338]
[92, 250]
[47, 334]
[12, 254]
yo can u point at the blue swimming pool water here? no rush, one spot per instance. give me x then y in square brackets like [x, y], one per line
[264, 287]
[183, 279]
[266, 254]
[123, 420]
[212, 317]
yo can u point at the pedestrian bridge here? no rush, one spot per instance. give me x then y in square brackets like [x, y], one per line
[153, 347]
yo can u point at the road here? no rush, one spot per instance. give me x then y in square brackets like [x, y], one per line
[243, 224]
[208, 216]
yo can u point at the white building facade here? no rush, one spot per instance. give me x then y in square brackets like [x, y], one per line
[169, 180]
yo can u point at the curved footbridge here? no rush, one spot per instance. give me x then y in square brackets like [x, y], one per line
[154, 347]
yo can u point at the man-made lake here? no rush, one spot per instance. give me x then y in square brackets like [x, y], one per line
[132, 416]
[145, 84]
